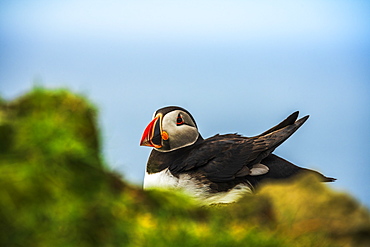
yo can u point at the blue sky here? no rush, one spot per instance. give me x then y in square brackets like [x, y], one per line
[237, 66]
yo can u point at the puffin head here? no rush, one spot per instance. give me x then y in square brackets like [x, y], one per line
[172, 128]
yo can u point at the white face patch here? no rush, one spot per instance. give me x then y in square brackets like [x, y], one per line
[179, 135]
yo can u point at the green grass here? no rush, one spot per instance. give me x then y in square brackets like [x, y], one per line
[55, 190]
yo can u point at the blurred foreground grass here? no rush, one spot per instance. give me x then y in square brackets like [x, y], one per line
[56, 191]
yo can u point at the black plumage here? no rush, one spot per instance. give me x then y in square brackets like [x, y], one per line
[223, 161]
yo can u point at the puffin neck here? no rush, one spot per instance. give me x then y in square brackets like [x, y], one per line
[158, 161]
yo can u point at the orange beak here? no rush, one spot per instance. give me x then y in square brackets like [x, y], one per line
[152, 136]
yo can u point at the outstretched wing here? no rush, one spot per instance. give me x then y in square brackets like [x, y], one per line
[288, 121]
[263, 145]
[224, 157]
[218, 157]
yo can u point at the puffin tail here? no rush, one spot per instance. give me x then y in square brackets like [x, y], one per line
[280, 168]
[319, 175]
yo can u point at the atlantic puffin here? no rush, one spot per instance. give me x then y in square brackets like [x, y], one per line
[219, 169]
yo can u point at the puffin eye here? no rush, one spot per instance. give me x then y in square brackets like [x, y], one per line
[179, 120]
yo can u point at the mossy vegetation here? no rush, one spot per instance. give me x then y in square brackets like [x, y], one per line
[56, 191]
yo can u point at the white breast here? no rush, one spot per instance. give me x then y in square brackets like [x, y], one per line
[163, 179]
[230, 196]
[192, 187]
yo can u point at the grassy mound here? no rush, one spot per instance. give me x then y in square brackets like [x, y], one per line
[56, 191]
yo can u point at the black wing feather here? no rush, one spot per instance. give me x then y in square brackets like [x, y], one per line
[221, 157]
[288, 121]
[266, 144]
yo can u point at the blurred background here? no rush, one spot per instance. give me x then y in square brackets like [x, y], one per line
[237, 66]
